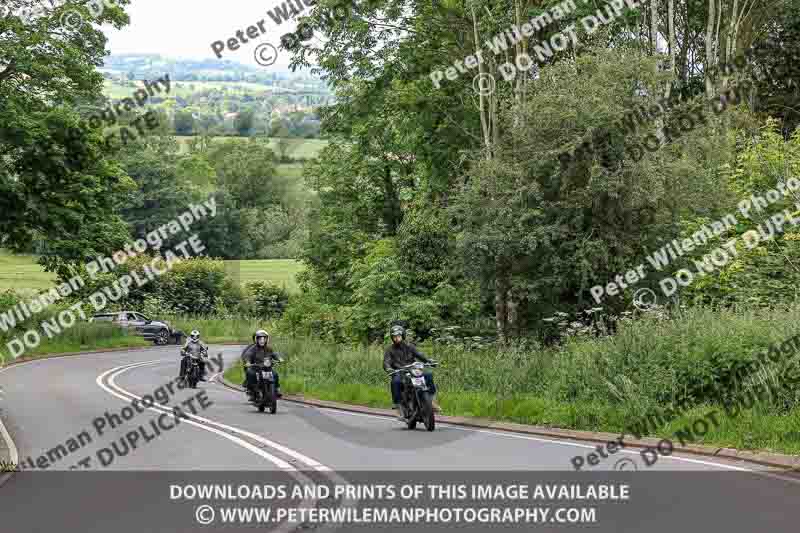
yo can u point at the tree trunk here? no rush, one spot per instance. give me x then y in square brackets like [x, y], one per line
[392, 213]
[673, 42]
[710, 47]
[484, 101]
[654, 26]
[502, 285]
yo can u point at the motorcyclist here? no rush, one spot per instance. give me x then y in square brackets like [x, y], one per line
[400, 354]
[194, 347]
[256, 354]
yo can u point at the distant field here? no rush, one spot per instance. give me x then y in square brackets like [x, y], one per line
[117, 90]
[290, 170]
[20, 272]
[298, 148]
[280, 271]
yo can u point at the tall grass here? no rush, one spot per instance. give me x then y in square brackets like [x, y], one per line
[601, 384]
[82, 336]
[213, 329]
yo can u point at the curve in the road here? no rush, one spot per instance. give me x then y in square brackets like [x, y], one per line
[107, 382]
[380, 439]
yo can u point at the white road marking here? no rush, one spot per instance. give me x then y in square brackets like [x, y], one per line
[12, 448]
[258, 438]
[536, 439]
[331, 474]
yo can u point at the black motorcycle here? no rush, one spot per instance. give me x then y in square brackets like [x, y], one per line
[265, 395]
[192, 376]
[416, 404]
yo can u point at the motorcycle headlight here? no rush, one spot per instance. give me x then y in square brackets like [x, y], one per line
[416, 372]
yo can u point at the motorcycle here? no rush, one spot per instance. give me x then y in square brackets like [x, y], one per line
[265, 394]
[416, 403]
[192, 376]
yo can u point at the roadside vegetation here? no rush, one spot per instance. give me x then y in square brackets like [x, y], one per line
[648, 368]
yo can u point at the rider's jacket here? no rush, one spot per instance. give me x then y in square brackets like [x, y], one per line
[400, 355]
[256, 355]
[195, 349]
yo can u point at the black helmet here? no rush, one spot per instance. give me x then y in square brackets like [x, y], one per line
[397, 330]
[260, 333]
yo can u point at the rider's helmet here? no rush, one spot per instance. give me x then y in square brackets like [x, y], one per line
[397, 331]
[258, 334]
[194, 336]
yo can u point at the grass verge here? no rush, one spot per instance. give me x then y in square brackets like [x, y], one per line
[751, 430]
[596, 384]
[79, 338]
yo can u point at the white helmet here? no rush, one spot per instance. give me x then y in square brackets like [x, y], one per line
[194, 336]
[260, 333]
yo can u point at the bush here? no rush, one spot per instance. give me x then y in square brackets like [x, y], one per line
[193, 286]
[270, 299]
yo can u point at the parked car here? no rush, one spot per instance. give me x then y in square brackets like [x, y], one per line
[156, 331]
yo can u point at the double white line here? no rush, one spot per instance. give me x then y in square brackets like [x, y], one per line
[209, 425]
[107, 382]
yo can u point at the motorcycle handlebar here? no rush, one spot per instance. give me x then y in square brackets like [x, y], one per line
[262, 365]
[405, 368]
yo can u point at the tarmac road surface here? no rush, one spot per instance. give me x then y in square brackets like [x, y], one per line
[59, 414]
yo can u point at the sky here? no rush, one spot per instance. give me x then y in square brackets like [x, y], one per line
[186, 29]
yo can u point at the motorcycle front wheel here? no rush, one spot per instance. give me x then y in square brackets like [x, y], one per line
[273, 398]
[428, 417]
[262, 403]
[411, 417]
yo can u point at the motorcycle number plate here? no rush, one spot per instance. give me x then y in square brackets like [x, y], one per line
[418, 381]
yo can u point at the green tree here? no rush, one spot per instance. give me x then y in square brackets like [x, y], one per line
[244, 122]
[56, 181]
[184, 122]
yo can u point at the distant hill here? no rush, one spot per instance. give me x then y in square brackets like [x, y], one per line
[150, 66]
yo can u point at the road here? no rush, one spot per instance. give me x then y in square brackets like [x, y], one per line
[51, 402]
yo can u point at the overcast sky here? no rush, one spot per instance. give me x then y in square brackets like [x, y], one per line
[186, 28]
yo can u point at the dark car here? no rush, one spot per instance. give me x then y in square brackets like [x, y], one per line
[152, 330]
